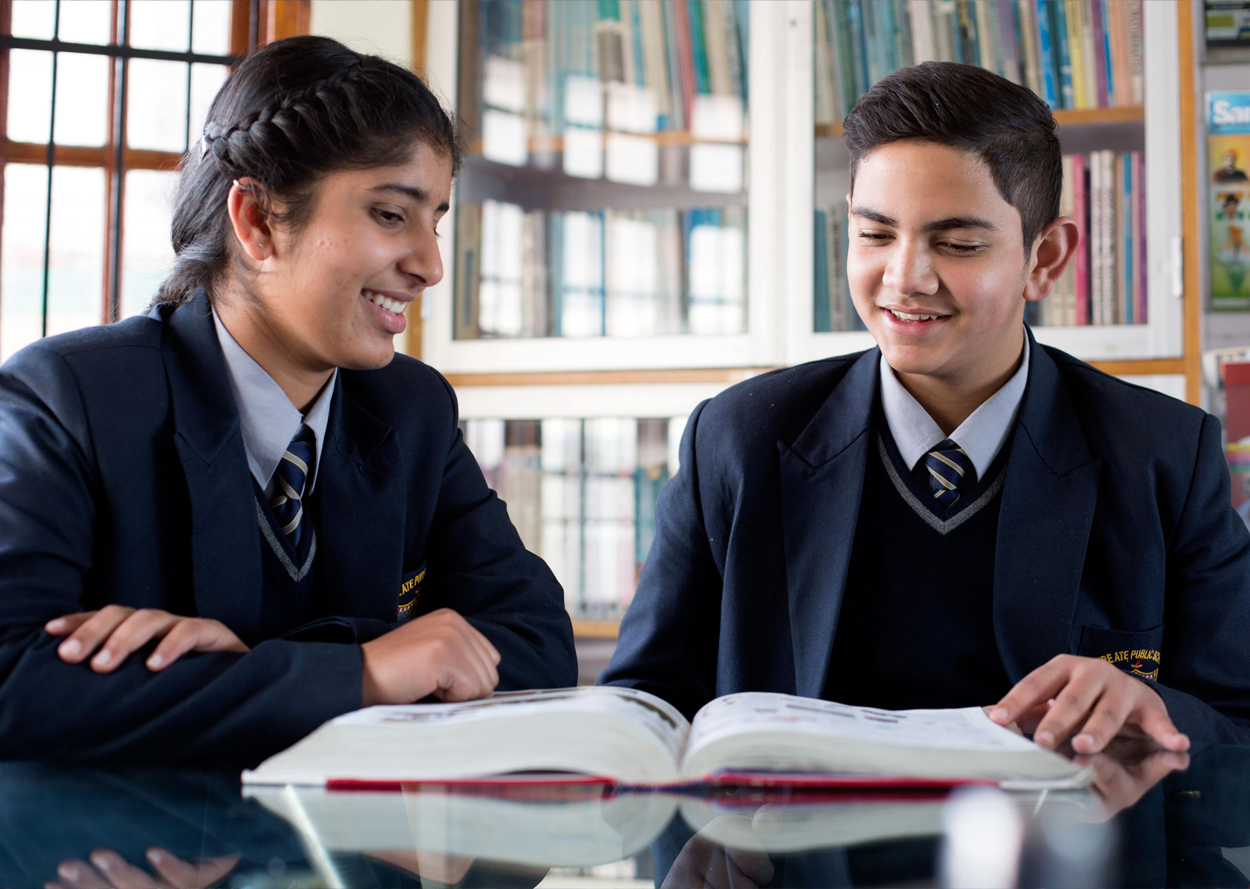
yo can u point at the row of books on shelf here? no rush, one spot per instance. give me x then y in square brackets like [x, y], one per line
[1105, 283]
[645, 64]
[1072, 53]
[581, 493]
[1105, 192]
[619, 273]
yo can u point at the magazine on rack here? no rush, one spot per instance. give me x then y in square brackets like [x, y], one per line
[628, 738]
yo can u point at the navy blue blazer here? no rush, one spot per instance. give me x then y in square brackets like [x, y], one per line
[1116, 537]
[123, 479]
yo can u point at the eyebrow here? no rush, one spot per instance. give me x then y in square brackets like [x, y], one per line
[420, 195]
[940, 225]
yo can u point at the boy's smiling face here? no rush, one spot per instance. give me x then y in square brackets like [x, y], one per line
[937, 265]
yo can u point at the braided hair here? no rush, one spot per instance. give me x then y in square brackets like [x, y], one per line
[293, 112]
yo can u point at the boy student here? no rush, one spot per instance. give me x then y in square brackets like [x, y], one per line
[961, 516]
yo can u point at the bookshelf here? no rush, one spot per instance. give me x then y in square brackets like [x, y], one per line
[790, 165]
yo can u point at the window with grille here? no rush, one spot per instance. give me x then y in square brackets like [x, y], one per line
[99, 100]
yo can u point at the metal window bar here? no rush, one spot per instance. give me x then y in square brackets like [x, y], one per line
[121, 52]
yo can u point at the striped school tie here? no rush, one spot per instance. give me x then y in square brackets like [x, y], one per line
[949, 470]
[293, 470]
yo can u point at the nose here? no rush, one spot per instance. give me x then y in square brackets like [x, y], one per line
[423, 262]
[910, 269]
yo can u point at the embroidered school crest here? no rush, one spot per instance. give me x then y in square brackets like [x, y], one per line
[409, 593]
[1142, 662]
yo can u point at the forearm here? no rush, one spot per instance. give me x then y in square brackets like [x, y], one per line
[204, 708]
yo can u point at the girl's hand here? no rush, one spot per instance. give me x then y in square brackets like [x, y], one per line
[118, 632]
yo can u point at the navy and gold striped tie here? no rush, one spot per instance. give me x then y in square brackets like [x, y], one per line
[293, 471]
[949, 470]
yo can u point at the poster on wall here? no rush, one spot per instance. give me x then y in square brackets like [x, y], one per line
[1227, 30]
[1228, 198]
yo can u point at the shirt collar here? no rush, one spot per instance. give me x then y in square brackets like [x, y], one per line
[267, 418]
[982, 435]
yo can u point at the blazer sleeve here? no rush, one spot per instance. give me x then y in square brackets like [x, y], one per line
[670, 635]
[479, 567]
[1205, 671]
[206, 707]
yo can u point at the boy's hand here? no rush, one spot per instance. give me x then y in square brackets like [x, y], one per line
[1088, 698]
[119, 631]
[438, 654]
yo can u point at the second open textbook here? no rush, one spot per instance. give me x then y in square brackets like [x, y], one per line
[630, 738]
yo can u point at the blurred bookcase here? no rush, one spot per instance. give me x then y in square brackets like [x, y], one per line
[650, 207]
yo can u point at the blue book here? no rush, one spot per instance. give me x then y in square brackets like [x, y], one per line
[1106, 53]
[1045, 59]
[635, 27]
[855, 15]
[555, 270]
[821, 320]
[1062, 52]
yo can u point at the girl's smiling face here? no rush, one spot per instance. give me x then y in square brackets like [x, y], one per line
[334, 292]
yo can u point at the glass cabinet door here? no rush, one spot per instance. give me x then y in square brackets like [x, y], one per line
[601, 219]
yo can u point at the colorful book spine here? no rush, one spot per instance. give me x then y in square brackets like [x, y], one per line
[1080, 211]
[1050, 84]
[1062, 57]
[822, 321]
[698, 47]
[1139, 168]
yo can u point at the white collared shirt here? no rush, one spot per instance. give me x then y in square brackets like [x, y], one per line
[981, 436]
[267, 418]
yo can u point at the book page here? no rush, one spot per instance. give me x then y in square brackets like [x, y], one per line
[963, 729]
[657, 717]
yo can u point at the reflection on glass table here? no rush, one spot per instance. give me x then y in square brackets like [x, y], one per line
[1151, 822]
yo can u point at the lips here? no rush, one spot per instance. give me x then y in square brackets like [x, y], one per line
[390, 311]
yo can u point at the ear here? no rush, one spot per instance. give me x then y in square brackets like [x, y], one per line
[249, 220]
[1054, 248]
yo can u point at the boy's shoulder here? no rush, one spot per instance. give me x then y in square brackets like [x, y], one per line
[1123, 416]
[774, 406]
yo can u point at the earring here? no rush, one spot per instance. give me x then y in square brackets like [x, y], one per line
[260, 243]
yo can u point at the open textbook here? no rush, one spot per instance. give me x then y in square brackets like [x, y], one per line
[630, 738]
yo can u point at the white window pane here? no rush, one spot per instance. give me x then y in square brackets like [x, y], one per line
[157, 105]
[210, 32]
[160, 24]
[21, 255]
[147, 256]
[76, 267]
[85, 21]
[82, 85]
[33, 18]
[206, 80]
[29, 107]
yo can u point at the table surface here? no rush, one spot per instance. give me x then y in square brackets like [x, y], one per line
[67, 826]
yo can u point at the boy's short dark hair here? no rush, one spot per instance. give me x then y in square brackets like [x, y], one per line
[973, 110]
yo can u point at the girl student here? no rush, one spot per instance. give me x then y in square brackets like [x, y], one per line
[242, 514]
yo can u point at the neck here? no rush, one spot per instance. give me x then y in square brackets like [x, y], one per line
[951, 400]
[261, 340]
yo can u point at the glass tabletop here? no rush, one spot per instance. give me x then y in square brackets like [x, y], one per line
[1148, 819]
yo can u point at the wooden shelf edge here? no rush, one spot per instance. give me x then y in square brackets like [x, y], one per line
[1134, 367]
[607, 377]
[596, 629]
[1065, 117]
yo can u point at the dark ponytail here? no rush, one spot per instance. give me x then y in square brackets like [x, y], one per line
[293, 112]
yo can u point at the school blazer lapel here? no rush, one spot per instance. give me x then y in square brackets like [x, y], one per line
[362, 489]
[225, 542]
[1044, 522]
[822, 479]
